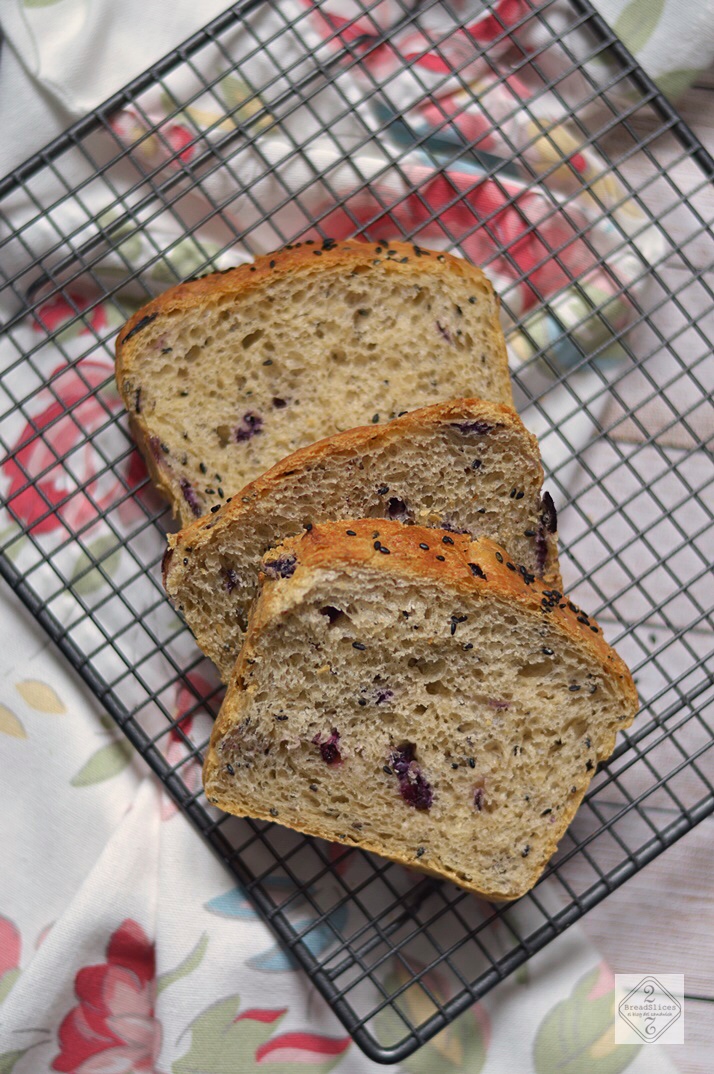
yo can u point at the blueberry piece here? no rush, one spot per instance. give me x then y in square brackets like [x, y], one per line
[250, 425]
[282, 567]
[189, 494]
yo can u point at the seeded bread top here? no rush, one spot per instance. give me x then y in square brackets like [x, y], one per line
[478, 567]
[304, 257]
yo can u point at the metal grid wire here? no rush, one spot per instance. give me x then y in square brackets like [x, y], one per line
[396, 956]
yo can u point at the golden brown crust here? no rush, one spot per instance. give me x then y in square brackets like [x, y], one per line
[211, 527]
[329, 545]
[305, 258]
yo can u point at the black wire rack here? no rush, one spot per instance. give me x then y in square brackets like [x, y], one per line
[128, 201]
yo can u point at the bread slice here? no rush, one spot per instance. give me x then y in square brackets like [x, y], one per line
[225, 375]
[425, 700]
[465, 466]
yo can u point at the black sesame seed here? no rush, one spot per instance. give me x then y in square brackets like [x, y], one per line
[499, 557]
[442, 558]
[573, 790]
[375, 419]
[476, 464]
[513, 493]
[467, 646]
[272, 264]
[313, 787]
[424, 546]
[547, 651]
[268, 361]
[515, 750]
[230, 770]
[203, 468]
[383, 490]
[594, 630]
[361, 702]
[447, 540]
[358, 645]
[220, 492]
[574, 687]
[526, 851]
[351, 533]
[472, 300]
[454, 764]
[375, 534]
[273, 812]
[546, 812]
[215, 508]
[384, 551]
[510, 566]
[387, 769]
[588, 742]
[377, 546]
[529, 533]
[472, 762]
[420, 852]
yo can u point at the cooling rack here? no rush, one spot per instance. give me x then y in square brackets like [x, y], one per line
[278, 122]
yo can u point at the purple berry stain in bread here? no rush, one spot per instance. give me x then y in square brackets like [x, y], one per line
[413, 787]
[382, 695]
[444, 332]
[451, 527]
[189, 494]
[329, 750]
[282, 567]
[474, 428]
[251, 425]
[230, 580]
[479, 799]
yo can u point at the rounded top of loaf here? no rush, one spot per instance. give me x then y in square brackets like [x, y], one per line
[476, 566]
[304, 258]
[488, 416]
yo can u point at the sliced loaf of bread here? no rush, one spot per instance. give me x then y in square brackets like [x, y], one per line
[463, 466]
[225, 375]
[426, 701]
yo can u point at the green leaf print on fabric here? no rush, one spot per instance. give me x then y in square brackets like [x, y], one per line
[240, 97]
[189, 964]
[107, 762]
[578, 1035]
[8, 1060]
[674, 83]
[7, 983]
[225, 1040]
[637, 22]
[184, 260]
[89, 582]
[462, 1046]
